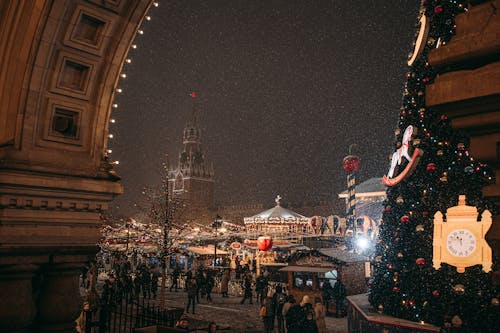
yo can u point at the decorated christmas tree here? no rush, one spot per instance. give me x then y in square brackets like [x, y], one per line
[431, 167]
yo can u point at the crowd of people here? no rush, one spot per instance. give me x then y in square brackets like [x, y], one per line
[278, 309]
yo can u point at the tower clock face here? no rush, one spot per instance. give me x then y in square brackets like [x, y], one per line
[461, 243]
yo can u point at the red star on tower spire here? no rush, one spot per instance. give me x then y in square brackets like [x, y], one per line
[193, 94]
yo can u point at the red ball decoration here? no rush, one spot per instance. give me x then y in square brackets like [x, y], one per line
[425, 213]
[444, 118]
[350, 163]
[265, 243]
[411, 302]
[405, 219]
[431, 167]
[420, 261]
[435, 293]
[396, 288]
[438, 9]
[426, 79]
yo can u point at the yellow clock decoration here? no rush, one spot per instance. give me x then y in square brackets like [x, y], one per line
[459, 241]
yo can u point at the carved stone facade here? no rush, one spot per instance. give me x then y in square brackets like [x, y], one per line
[467, 90]
[60, 64]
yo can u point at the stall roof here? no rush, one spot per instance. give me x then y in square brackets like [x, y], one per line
[205, 250]
[343, 255]
[307, 269]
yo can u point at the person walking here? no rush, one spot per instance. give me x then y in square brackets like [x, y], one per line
[308, 324]
[175, 278]
[293, 316]
[192, 290]
[279, 300]
[83, 318]
[247, 293]
[224, 284]
[267, 312]
[339, 294]
[320, 313]
[209, 285]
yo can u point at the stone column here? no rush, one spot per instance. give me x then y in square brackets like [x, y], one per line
[17, 305]
[59, 301]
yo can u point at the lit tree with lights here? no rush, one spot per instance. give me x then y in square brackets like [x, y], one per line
[431, 167]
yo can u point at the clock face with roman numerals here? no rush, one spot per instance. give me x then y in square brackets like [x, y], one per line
[461, 243]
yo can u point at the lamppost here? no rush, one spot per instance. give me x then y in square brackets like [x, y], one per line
[216, 224]
[166, 230]
[351, 164]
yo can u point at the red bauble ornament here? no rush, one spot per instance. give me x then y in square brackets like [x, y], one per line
[405, 219]
[350, 163]
[444, 118]
[431, 167]
[396, 288]
[425, 213]
[438, 9]
[420, 261]
[435, 293]
[426, 79]
[265, 243]
[411, 302]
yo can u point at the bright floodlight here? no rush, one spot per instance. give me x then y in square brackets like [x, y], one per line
[362, 243]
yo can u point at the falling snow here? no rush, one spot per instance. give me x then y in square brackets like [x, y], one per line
[284, 87]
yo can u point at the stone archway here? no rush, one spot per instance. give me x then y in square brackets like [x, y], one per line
[60, 64]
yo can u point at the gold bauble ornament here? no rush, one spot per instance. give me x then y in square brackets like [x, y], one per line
[459, 289]
[400, 200]
[380, 308]
[495, 301]
[400, 255]
[419, 228]
[439, 152]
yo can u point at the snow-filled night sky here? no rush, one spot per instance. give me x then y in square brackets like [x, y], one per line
[284, 87]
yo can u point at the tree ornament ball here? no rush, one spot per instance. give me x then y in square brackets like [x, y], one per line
[400, 255]
[435, 293]
[350, 163]
[380, 308]
[396, 288]
[431, 167]
[469, 170]
[439, 152]
[400, 200]
[420, 262]
[419, 228]
[459, 289]
[405, 219]
[265, 243]
[495, 301]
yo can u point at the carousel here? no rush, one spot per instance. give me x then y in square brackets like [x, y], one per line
[278, 223]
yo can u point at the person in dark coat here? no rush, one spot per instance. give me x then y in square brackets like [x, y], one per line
[192, 290]
[268, 317]
[308, 324]
[293, 317]
[175, 277]
[247, 290]
[339, 294]
[279, 300]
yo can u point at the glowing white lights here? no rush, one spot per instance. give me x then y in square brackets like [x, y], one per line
[109, 151]
[156, 4]
[134, 46]
[119, 90]
[140, 32]
[113, 121]
[148, 18]
[111, 136]
[115, 105]
[123, 75]
[128, 61]
[362, 243]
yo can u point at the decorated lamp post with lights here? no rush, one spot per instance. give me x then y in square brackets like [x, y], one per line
[351, 164]
[216, 224]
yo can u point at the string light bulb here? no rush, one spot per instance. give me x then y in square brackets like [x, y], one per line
[113, 121]
[110, 136]
[134, 46]
[115, 105]
[156, 4]
[109, 151]
[123, 75]
[140, 32]
[148, 18]
[128, 60]
[119, 90]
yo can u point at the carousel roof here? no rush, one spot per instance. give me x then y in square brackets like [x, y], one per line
[278, 212]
